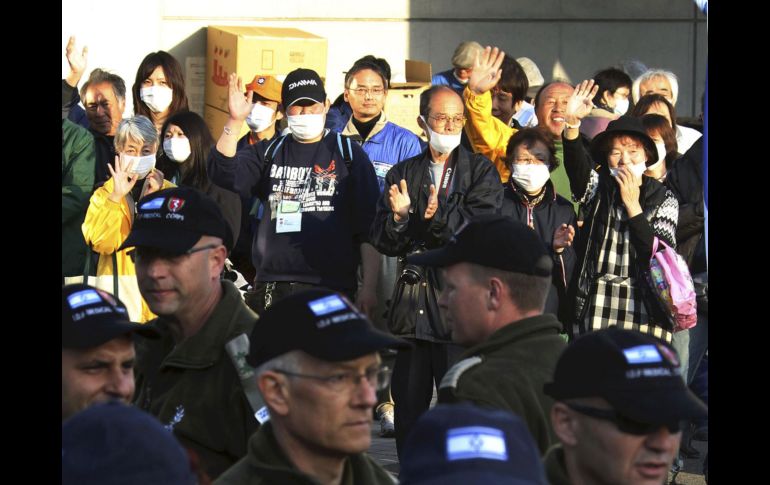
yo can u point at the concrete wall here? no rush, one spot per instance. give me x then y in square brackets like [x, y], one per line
[574, 37]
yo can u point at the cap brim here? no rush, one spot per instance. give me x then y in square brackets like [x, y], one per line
[98, 334]
[175, 239]
[445, 256]
[308, 98]
[663, 405]
[345, 343]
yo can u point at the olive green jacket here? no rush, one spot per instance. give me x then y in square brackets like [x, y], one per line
[555, 470]
[508, 371]
[194, 388]
[266, 464]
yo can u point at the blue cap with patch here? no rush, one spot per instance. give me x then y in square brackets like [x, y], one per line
[91, 317]
[322, 323]
[639, 375]
[463, 444]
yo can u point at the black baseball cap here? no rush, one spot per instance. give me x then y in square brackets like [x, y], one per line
[91, 317]
[175, 219]
[625, 125]
[302, 84]
[460, 444]
[115, 444]
[495, 241]
[639, 375]
[319, 322]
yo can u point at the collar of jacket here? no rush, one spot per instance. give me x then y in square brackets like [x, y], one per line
[206, 347]
[518, 192]
[351, 131]
[271, 464]
[555, 469]
[517, 330]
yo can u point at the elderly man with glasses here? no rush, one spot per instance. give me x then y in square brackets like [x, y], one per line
[426, 199]
[186, 378]
[620, 402]
[317, 368]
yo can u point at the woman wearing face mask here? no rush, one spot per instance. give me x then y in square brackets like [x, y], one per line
[658, 128]
[530, 197]
[610, 102]
[113, 205]
[182, 158]
[625, 210]
[159, 88]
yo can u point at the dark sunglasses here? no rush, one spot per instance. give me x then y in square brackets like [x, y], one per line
[148, 254]
[623, 423]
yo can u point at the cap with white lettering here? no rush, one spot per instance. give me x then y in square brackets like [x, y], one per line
[302, 84]
[322, 323]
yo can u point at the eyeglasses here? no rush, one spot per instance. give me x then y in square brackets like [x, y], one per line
[376, 92]
[531, 160]
[623, 423]
[444, 119]
[147, 254]
[633, 153]
[379, 378]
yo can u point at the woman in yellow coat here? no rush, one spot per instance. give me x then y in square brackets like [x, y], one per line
[113, 205]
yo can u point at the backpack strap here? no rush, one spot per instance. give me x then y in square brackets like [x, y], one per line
[272, 148]
[345, 149]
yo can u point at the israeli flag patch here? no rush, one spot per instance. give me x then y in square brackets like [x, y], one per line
[156, 203]
[326, 305]
[476, 442]
[642, 354]
[84, 297]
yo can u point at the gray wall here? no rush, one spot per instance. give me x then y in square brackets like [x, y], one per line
[578, 36]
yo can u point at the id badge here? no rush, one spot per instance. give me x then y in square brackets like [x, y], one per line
[289, 218]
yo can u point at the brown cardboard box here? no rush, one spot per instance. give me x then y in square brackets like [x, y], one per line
[216, 119]
[249, 51]
[402, 105]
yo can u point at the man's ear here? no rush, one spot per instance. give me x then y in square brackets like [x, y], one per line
[564, 423]
[275, 392]
[279, 113]
[606, 96]
[217, 258]
[496, 293]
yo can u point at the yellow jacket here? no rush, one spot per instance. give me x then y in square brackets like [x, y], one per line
[106, 226]
[488, 135]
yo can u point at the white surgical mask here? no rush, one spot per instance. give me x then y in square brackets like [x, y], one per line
[440, 142]
[638, 168]
[157, 98]
[306, 127]
[142, 165]
[661, 154]
[530, 177]
[260, 118]
[177, 148]
[621, 106]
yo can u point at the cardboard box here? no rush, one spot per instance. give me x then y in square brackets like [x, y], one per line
[402, 105]
[249, 51]
[216, 119]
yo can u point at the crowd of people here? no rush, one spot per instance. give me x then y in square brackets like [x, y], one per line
[230, 303]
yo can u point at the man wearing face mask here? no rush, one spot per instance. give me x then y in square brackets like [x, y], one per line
[610, 102]
[427, 198]
[265, 110]
[319, 191]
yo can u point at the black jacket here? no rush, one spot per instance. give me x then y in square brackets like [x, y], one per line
[474, 189]
[685, 180]
[547, 215]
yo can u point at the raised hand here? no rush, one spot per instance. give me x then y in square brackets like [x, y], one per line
[581, 103]
[562, 237]
[77, 61]
[432, 203]
[399, 201]
[238, 104]
[122, 179]
[486, 70]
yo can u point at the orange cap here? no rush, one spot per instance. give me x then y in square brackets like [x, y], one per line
[266, 86]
